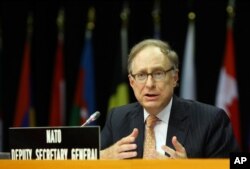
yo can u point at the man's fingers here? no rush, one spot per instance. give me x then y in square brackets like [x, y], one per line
[134, 133]
[126, 147]
[130, 138]
[125, 155]
[178, 151]
[168, 150]
[122, 149]
[177, 145]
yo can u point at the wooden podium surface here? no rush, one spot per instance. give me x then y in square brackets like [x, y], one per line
[116, 164]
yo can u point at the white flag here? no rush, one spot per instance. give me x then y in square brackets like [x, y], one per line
[188, 76]
[227, 92]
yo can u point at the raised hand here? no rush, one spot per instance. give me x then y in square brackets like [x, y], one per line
[122, 149]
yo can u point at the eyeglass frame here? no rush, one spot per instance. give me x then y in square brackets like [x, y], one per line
[152, 75]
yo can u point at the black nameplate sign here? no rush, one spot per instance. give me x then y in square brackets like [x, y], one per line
[54, 143]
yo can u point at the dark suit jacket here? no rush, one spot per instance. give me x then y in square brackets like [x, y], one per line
[204, 130]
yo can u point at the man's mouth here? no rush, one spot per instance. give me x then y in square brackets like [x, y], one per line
[151, 96]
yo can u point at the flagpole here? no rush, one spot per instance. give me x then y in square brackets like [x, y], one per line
[60, 23]
[124, 36]
[230, 12]
[91, 19]
[156, 14]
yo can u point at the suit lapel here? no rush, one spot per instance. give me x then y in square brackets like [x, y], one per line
[137, 121]
[178, 122]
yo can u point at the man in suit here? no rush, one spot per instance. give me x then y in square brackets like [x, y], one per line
[184, 128]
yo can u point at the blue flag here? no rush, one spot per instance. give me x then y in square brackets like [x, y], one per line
[85, 101]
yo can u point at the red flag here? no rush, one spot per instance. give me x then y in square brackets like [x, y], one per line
[24, 114]
[58, 88]
[58, 84]
[227, 92]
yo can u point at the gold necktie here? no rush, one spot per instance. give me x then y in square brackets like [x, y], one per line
[149, 140]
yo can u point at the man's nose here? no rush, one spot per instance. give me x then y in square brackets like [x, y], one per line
[150, 81]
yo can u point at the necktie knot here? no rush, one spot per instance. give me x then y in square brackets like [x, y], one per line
[151, 121]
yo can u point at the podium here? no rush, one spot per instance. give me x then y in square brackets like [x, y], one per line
[117, 164]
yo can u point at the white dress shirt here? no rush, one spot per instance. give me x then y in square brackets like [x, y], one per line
[161, 126]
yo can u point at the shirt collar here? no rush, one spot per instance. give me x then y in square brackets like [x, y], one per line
[163, 115]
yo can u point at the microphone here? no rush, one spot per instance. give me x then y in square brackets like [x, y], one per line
[92, 118]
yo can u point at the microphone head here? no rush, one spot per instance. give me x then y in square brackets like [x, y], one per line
[92, 118]
[96, 115]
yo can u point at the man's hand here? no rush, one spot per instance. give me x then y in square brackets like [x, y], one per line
[122, 149]
[178, 153]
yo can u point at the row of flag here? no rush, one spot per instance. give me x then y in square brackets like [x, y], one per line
[84, 102]
[227, 89]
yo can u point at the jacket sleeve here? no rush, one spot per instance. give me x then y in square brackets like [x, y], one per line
[220, 139]
[107, 133]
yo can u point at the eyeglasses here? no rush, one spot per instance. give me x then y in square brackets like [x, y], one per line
[158, 75]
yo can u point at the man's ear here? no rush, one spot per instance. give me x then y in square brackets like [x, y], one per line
[131, 80]
[176, 78]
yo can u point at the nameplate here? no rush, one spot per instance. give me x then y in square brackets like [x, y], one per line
[55, 143]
